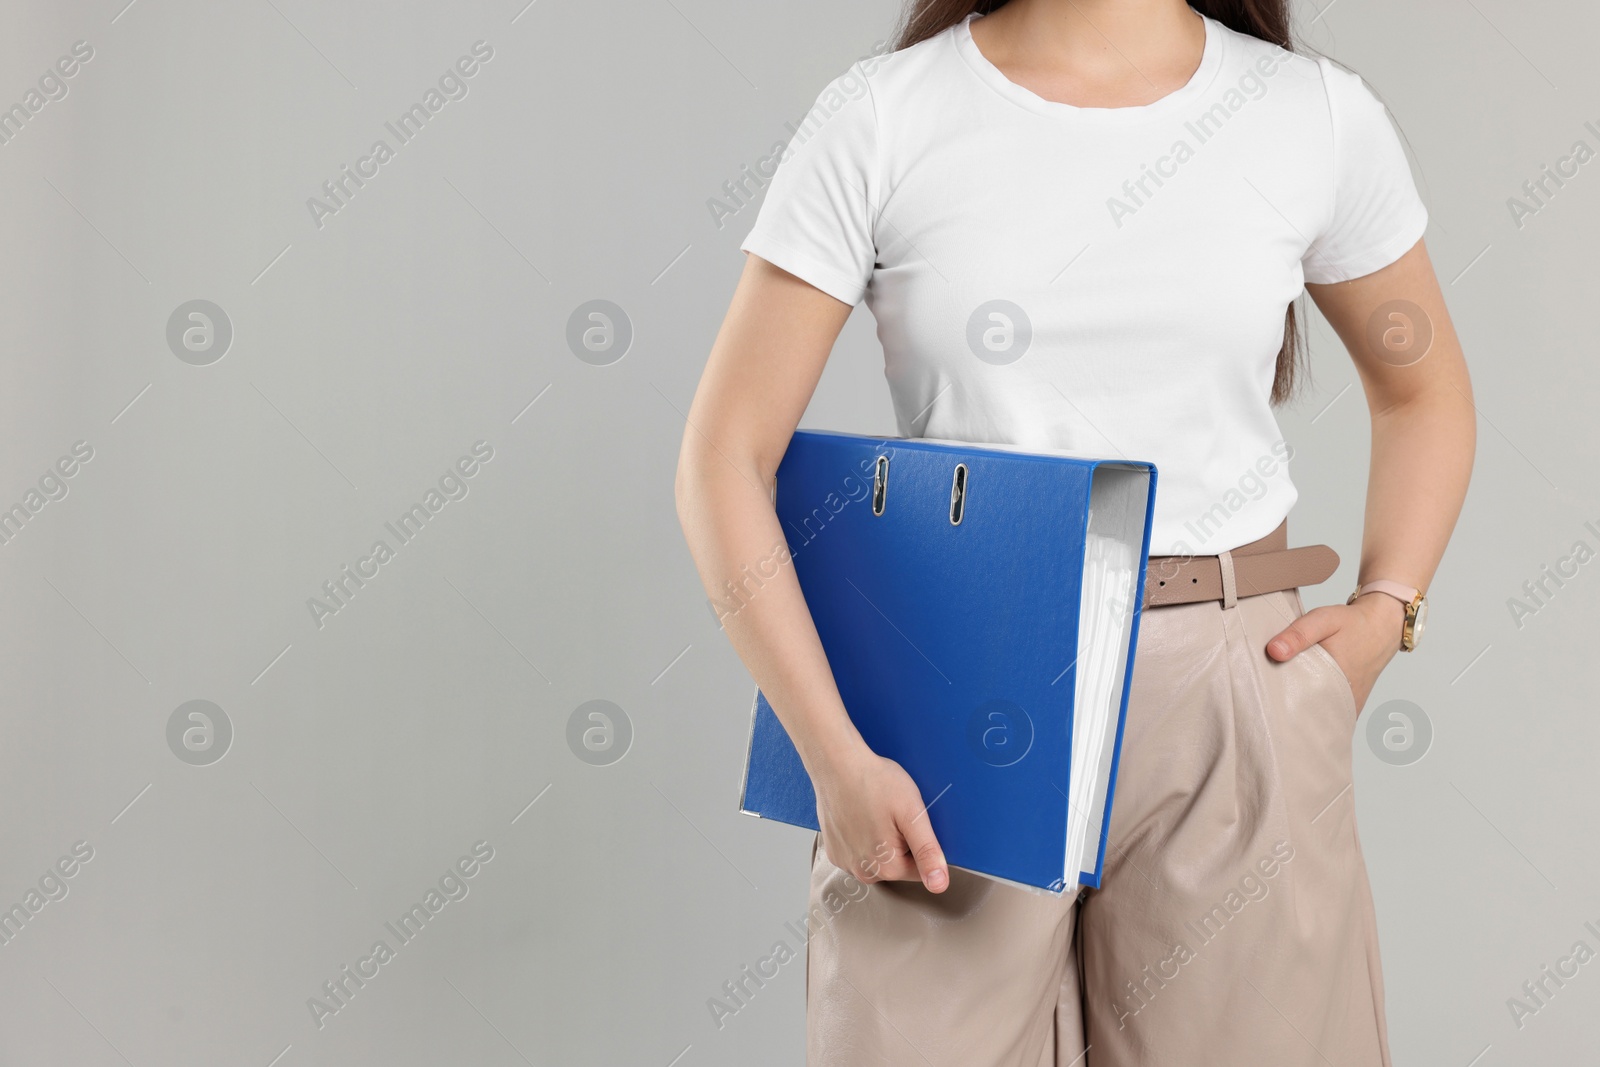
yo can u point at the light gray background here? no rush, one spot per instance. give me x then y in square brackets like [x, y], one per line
[369, 354]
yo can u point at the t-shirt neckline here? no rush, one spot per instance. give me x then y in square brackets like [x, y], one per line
[992, 76]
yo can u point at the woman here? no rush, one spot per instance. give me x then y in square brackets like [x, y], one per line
[1082, 224]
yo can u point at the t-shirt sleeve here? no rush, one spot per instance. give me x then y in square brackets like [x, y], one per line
[1377, 215]
[818, 216]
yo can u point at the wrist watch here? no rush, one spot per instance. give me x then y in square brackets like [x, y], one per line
[1416, 608]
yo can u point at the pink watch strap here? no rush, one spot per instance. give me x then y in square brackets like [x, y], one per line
[1403, 593]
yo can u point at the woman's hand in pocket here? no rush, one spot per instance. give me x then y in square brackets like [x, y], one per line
[1362, 638]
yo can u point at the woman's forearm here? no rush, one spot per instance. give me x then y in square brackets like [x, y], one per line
[743, 559]
[1422, 452]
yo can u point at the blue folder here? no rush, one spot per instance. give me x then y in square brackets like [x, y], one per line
[969, 598]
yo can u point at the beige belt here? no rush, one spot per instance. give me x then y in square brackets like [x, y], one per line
[1264, 566]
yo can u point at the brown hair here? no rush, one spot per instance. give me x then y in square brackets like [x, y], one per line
[1266, 19]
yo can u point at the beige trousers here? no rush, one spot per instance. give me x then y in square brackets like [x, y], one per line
[1234, 925]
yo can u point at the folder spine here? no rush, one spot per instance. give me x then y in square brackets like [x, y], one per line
[749, 752]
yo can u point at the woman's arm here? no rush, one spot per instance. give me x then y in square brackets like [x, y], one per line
[1424, 429]
[763, 368]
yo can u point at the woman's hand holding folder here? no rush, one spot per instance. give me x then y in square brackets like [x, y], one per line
[875, 823]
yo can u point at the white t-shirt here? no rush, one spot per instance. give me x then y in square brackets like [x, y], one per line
[1110, 281]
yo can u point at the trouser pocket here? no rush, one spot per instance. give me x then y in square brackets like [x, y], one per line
[1330, 666]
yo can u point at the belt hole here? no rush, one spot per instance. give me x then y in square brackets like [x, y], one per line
[1194, 581]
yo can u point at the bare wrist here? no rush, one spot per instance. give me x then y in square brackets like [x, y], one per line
[837, 748]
